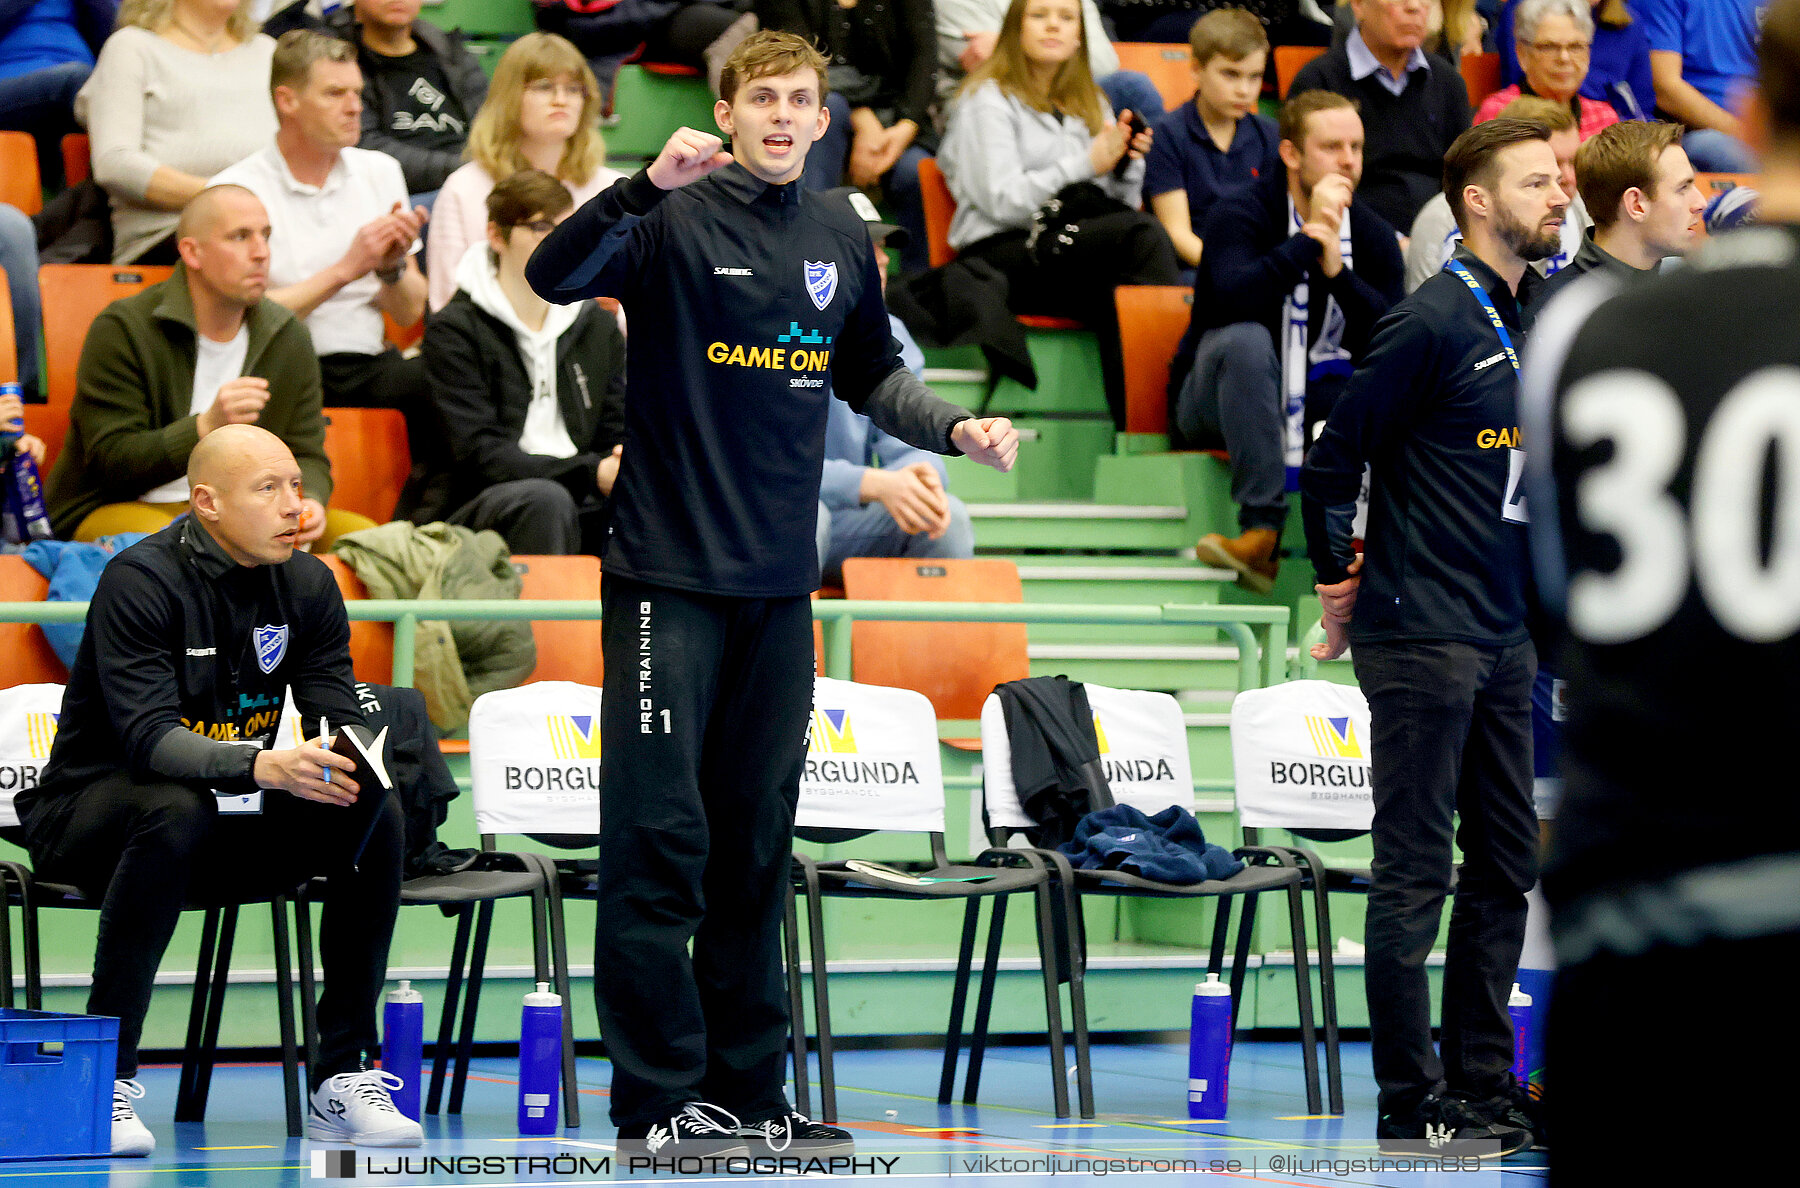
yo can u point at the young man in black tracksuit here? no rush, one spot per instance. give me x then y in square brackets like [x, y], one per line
[192, 637]
[1437, 611]
[749, 299]
[530, 396]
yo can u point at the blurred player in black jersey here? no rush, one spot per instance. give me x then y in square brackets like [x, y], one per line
[1666, 531]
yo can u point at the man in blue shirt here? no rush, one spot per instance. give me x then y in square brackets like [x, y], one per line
[1702, 56]
[1219, 143]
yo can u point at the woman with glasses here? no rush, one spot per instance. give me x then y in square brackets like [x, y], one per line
[542, 112]
[1618, 64]
[1554, 40]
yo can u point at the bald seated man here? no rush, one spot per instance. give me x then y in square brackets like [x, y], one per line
[163, 788]
[164, 368]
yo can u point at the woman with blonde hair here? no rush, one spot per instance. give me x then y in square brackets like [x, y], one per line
[1031, 127]
[542, 112]
[181, 90]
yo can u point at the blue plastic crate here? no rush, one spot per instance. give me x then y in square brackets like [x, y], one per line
[56, 1075]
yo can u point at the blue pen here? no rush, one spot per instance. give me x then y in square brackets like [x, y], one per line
[322, 743]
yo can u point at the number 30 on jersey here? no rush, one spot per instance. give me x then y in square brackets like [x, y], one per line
[1716, 542]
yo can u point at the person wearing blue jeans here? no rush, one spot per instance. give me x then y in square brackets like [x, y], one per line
[19, 261]
[878, 496]
[47, 50]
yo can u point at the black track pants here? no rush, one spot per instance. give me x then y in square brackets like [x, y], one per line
[704, 728]
[146, 849]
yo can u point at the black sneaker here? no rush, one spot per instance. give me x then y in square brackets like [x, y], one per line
[698, 1129]
[793, 1133]
[1449, 1126]
[1525, 1108]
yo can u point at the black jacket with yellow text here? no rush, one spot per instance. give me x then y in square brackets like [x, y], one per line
[750, 305]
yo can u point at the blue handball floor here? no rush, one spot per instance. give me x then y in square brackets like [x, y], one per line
[886, 1098]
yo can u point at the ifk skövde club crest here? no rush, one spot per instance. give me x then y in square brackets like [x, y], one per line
[821, 281]
[271, 645]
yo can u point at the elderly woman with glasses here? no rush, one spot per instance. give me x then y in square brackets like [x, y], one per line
[1618, 68]
[1554, 40]
[542, 112]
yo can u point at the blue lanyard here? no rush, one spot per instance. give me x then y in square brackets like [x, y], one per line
[1468, 278]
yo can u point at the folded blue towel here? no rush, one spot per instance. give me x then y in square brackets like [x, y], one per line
[1168, 847]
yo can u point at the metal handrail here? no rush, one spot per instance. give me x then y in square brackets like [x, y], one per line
[1259, 632]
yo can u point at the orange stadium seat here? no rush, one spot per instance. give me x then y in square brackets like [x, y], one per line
[1714, 184]
[1481, 74]
[567, 650]
[1288, 61]
[956, 665]
[77, 158]
[29, 660]
[9, 351]
[940, 207]
[1152, 319]
[371, 644]
[369, 459]
[73, 294]
[1169, 67]
[403, 337]
[20, 184]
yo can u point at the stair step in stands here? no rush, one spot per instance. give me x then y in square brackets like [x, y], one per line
[1145, 581]
[1169, 668]
[1068, 373]
[1077, 526]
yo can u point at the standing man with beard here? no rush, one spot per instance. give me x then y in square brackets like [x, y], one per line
[1442, 650]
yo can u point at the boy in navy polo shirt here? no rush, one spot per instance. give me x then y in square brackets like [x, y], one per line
[1217, 144]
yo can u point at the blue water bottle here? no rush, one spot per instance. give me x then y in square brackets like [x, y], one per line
[10, 430]
[23, 516]
[540, 1060]
[1519, 1008]
[402, 1044]
[1209, 1049]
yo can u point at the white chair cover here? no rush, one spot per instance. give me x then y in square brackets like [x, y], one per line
[871, 760]
[1300, 756]
[1143, 751]
[28, 716]
[534, 758]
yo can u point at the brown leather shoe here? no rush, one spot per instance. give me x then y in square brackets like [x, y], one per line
[1255, 557]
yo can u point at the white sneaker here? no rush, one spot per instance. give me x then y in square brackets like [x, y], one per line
[355, 1108]
[129, 1136]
